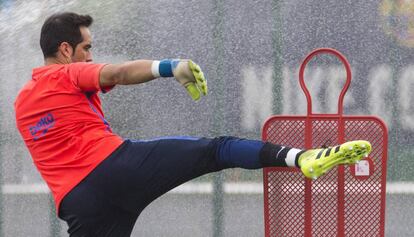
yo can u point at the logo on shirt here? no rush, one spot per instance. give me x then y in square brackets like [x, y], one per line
[42, 126]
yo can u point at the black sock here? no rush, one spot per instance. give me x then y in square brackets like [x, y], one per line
[273, 155]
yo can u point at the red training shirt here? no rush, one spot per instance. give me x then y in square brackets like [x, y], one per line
[59, 116]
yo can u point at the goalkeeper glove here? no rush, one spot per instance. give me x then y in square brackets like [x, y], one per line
[186, 72]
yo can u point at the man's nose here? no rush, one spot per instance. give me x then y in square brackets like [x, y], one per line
[89, 57]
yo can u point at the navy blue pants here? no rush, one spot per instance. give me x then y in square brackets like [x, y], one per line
[109, 200]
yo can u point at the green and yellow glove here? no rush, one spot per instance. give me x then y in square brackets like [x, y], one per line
[189, 75]
[186, 72]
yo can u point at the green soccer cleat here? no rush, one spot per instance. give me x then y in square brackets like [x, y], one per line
[316, 162]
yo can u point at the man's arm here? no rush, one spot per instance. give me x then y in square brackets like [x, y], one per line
[187, 73]
[133, 72]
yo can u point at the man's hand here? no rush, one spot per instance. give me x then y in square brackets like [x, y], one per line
[189, 74]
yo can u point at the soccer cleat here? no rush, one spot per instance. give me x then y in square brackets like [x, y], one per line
[316, 162]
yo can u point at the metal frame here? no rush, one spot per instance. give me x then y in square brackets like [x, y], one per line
[337, 125]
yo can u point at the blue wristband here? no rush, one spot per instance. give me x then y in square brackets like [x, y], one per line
[165, 68]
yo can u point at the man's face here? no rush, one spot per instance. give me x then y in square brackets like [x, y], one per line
[83, 49]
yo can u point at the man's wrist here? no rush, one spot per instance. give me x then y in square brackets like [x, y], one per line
[162, 68]
[155, 68]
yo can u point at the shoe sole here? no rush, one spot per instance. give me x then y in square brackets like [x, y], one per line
[347, 153]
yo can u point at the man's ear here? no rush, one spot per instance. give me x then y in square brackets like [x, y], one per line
[66, 49]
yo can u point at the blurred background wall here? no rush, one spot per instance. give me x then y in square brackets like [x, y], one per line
[250, 52]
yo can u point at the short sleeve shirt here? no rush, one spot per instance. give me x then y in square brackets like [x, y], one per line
[60, 118]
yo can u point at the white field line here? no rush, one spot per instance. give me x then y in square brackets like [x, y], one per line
[200, 188]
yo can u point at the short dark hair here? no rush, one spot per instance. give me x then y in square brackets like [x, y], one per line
[62, 27]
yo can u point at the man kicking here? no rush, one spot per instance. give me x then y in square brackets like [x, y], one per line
[101, 182]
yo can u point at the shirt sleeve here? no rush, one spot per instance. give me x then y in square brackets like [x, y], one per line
[85, 76]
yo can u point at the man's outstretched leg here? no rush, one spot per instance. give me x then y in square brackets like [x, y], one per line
[161, 165]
